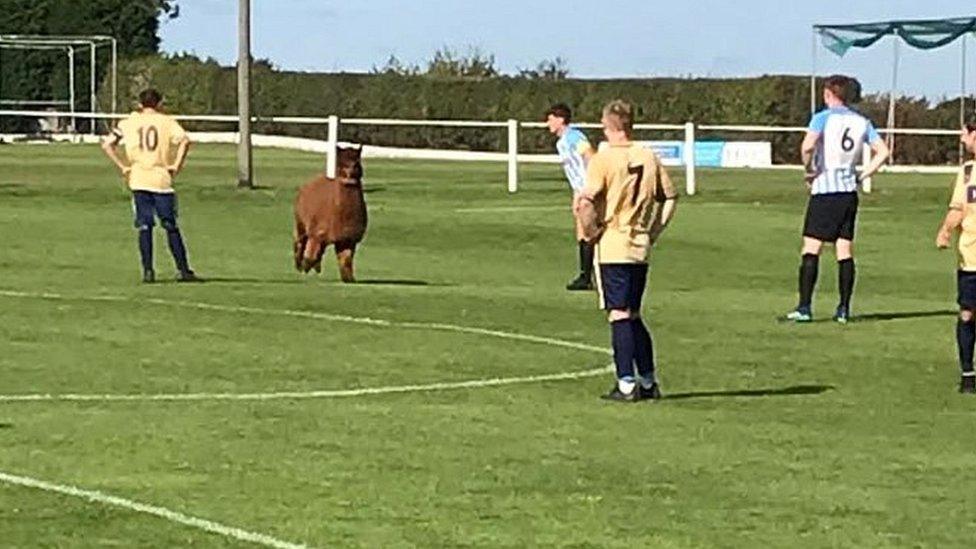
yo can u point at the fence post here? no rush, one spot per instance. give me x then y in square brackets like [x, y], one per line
[865, 160]
[332, 143]
[689, 158]
[512, 155]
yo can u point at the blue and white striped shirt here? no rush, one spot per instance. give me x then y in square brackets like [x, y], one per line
[571, 146]
[843, 134]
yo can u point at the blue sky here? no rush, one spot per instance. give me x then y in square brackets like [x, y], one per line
[599, 39]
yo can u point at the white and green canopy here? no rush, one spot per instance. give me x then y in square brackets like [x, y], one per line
[924, 35]
[921, 34]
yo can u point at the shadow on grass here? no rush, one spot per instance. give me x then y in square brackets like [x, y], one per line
[304, 280]
[795, 390]
[394, 282]
[882, 317]
[233, 280]
[4, 425]
[877, 317]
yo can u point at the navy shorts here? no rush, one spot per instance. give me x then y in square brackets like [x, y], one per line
[966, 282]
[831, 216]
[621, 285]
[149, 205]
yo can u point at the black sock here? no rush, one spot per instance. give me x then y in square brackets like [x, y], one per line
[644, 347]
[623, 348]
[178, 250]
[809, 265]
[845, 281]
[965, 339]
[146, 248]
[586, 258]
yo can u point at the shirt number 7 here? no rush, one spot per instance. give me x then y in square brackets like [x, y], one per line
[637, 170]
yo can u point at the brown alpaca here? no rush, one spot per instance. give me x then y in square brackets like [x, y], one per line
[331, 211]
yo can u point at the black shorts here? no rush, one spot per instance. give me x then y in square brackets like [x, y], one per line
[148, 205]
[621, 285]
[966, 282]
[831, 216]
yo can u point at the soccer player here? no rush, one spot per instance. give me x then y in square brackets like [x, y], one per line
[962, 218]
[831, 152]
[617, 209]
[155, 148]
[574, 153]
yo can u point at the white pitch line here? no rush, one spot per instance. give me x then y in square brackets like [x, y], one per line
[161, 512]
[319, 394]
[319, 316]
[299, 395]
[503, 209]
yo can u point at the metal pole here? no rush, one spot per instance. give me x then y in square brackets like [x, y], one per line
[71, 84]
[91, 86]
[689, 158]
[512, 155]
[115, 75]
[962, 97]
[813, 75]
[333, 145]
[244, 168]
[891, 100]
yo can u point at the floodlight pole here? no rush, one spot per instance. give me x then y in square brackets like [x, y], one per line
[244, 168]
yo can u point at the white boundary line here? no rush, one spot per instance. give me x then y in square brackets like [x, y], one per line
[338, 393]
[161, 512]
[300, 395]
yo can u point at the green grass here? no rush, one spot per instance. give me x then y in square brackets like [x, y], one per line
[777, 435]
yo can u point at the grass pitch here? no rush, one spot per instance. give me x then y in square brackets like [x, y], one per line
[772, 434]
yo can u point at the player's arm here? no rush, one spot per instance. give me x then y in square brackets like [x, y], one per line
[808, 150]
[182, 149]
[954, 217]
[879, 152]
[667, 198]
[110, 144]
[586, 210]
[182, 142]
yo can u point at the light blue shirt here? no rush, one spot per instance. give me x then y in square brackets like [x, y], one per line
[570, 147]
[843, 134]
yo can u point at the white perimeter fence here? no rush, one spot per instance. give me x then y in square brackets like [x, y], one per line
[332, 128]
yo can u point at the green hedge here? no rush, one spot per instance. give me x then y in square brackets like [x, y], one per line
[194, 86]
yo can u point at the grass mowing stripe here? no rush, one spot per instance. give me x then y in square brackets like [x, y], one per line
[155, 510]
[321, 316]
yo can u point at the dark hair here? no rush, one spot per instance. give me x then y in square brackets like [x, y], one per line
[150, 98]
[970, 124]
[561, 110]
[846, 89]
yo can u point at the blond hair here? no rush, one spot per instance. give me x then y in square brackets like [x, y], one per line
[619, 116]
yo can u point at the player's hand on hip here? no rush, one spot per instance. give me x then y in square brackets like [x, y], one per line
[173, 170]
[809, 177]
[125, 170]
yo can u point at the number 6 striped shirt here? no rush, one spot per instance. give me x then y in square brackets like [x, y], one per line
[843, 134]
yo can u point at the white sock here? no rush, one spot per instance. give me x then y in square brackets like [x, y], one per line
[626, 386]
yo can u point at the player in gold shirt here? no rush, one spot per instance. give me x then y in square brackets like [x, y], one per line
[627, 202]
[962, 219]
[155, 151]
